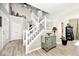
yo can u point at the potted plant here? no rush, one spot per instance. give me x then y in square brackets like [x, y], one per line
[64, 41]
[54, 30]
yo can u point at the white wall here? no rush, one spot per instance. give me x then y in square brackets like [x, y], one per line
[16, 7]
[56, 21]
[37, 43]
[6, 6]
[0, 35]
[4, 32]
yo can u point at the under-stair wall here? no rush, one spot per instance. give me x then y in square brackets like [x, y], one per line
[37, 43]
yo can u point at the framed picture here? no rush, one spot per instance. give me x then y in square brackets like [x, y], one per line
[0, 21]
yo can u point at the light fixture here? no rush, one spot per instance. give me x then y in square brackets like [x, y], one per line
[25, 4]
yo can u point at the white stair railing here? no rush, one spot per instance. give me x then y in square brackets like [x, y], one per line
[30, 35]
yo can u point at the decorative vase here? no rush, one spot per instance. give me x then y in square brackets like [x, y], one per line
[64, 42]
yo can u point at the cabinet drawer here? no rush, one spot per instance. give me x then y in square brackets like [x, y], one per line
[49, 46]
[48, 39]
[49, 43]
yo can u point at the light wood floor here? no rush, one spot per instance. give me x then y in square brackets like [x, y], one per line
[60, 50]
[15, 48]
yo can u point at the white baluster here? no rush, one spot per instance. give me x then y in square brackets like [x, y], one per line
[24, 38]
[27, 48]
[45, 22]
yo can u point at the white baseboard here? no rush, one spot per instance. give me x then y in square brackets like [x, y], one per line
[15, 39]
[76, 44]
[58, 42]
[35, 49]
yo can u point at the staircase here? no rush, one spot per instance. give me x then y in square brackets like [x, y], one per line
[29, 36]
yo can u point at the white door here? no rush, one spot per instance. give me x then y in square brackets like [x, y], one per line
[16, 28]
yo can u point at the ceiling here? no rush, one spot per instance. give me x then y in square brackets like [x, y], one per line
[58, 8]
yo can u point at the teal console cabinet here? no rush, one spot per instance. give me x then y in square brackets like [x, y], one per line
[48, 42]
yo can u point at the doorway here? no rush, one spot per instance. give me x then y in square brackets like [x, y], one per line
[74, 23]
[16, 27]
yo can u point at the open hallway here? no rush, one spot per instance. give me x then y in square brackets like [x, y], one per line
[26, 28]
